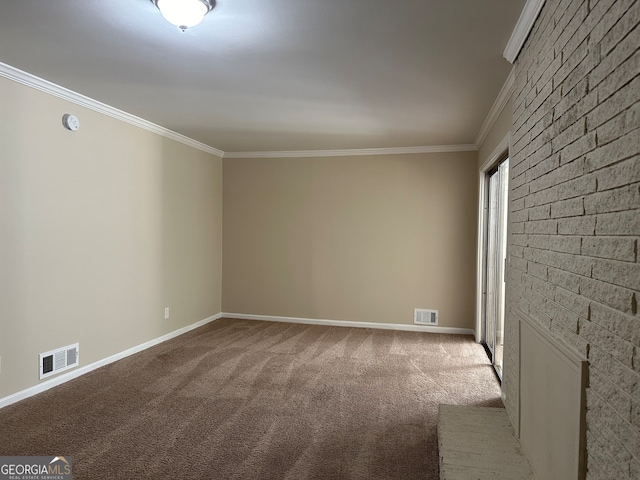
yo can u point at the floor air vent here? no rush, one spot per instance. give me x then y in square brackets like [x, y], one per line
[425, 317]
[59, 360]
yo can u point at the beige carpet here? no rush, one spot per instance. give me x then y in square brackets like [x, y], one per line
[247, 400]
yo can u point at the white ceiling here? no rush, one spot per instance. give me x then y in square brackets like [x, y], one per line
[278, 75]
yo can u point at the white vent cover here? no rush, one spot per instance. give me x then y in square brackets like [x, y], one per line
[422, 316]
[59, 360]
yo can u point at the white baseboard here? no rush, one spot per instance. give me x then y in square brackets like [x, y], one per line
[54, 382]
[346, 323]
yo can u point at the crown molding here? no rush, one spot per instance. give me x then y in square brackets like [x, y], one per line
[19, 76]
[498, 106]
[525, 23]
[353, 152]
[30, 80]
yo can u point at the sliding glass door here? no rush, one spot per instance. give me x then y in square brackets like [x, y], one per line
[495, 258]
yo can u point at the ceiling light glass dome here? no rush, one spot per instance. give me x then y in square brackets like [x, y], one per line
[184, 13]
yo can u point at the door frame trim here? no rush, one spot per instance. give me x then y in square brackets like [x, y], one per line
[504, 147]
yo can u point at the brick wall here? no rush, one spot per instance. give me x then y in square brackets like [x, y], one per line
[574, 225]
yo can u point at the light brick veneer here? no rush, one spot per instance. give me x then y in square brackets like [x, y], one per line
[574, 222]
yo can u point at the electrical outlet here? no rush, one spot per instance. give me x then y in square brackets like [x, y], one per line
[166, 312]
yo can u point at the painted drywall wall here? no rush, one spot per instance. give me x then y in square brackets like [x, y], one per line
[100, 230]
[351, 238]
[575, 214]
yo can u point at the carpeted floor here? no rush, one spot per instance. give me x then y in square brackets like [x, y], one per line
[248, 400]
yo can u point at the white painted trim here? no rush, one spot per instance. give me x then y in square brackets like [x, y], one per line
[566, 352]
[480, 255]
[501, 148]
[497, 152]
[498, 106]
[353, 152]
[560, 353]
[347, 323]
[24, 78]
[520, 33]
[54, 382]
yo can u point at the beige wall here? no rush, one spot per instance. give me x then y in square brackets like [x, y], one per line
[352, 238]
[101, 229]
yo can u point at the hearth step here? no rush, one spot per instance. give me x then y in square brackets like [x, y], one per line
[478, 443]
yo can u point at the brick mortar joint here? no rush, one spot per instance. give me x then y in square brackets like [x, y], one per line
[614, 412]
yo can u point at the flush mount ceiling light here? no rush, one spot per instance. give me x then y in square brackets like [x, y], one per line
[184, 13]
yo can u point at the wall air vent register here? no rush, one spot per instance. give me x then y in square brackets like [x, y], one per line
[59, 360]
[422, 316]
